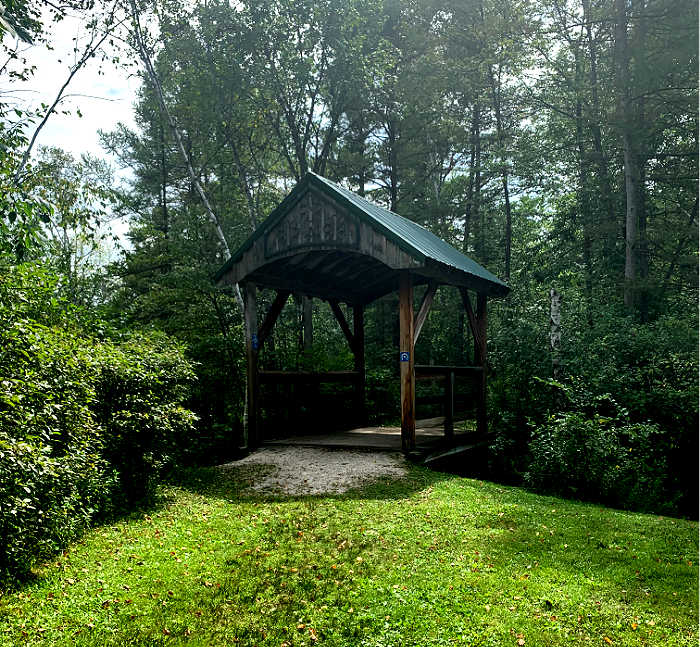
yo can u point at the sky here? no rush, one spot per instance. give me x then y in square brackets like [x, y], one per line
[104, 99]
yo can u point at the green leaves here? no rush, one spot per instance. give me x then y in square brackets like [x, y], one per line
[84, 424]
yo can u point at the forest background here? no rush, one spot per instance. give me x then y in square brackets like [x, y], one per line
[552, 141]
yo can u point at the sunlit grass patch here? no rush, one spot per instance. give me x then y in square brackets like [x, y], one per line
[428, 560]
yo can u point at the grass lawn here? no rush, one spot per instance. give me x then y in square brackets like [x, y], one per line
[430, 560]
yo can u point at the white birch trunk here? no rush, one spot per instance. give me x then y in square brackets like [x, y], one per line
[555, 331]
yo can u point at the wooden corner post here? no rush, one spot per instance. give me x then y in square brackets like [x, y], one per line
[406, 361]
[250, 426]
[358, 321]
[481, 421]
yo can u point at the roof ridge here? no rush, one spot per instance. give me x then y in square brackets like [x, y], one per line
[432, 246]
[368, 201]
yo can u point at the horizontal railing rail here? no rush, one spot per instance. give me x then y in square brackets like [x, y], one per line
[285, 377]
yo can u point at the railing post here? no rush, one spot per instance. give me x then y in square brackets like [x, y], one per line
[449, 403]
[250, 427]
[408, 384]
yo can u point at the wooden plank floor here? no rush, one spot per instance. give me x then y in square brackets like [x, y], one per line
[429, 433]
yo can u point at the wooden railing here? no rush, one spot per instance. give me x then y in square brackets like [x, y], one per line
[448, 374]
[306, 377]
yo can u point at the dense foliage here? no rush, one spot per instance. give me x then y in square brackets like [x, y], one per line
[87, 425]
[553, 141]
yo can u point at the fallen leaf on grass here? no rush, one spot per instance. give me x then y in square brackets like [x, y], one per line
[607, 640]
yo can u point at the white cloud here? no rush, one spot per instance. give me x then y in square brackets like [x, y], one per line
[103, 99]
[104, 94]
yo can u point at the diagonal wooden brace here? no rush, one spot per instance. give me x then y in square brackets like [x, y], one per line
[423, 310]
[473, 325]
[271, 317]
[335, 307]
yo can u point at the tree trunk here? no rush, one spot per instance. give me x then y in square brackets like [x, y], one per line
[393, 167]
[496, 92]
[584, 195]
[476, 215]
[555, 331]
[308, 324]
[599, 156]
[158, 89]
[631, 166]
[474, 130]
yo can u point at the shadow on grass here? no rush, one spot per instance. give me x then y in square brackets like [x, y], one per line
[38, 570]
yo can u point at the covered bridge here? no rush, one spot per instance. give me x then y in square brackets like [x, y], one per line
[323, 241]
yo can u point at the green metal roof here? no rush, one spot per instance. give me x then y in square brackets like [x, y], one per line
[409, 236]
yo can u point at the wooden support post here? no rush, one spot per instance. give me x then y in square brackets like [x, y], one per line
[308, 320]
[358, 320]
[481, 423]
[408, 385]
[449, 404]
[250, 427]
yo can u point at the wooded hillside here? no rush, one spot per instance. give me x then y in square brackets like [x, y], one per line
[554, 142]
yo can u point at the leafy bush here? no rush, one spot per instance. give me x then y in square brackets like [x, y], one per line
[46, 500]
[85, 425]
[53, 477]
[140, 387]
[602, 459]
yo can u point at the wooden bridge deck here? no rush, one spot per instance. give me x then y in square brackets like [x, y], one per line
[429, 434]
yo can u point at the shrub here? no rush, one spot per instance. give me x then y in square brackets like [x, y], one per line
[53, 478]
[46, 500]
[601, 459]
[140, 387]
[84, 424]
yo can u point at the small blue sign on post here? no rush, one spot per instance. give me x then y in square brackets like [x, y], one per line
[254, 341]
[404, 356]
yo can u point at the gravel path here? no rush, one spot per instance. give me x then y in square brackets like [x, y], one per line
[309, 470]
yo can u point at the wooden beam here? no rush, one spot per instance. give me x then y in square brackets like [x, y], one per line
[335, 307]
[408, 384]
[272, 314]
[358, 321]
[423, 310]
[303, 285]
[451, 276]
[252, 343]
[481, 420]
[334, 259]
[473, 326]
[449, 404]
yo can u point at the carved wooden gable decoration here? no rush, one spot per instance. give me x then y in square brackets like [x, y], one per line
[316, 223]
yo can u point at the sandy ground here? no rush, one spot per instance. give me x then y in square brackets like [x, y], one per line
[310, 470]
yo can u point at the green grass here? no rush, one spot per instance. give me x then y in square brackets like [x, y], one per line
[431, 560]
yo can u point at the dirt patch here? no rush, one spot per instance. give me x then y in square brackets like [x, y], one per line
[308, 470]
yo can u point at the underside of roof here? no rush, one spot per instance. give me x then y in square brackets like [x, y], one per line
[325, 241]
